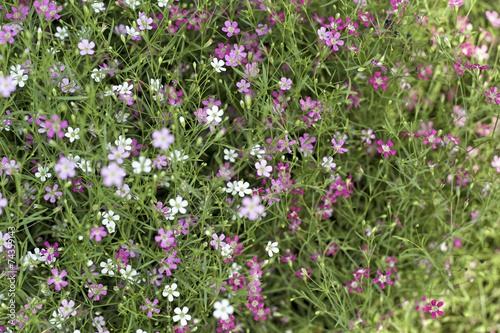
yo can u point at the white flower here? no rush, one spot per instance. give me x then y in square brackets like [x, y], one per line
[108, 267]
[170, 293]
[231, 187]
[72, 134]
[243, 188]
[218, 65]
[144, 165]
[257, 151]
[214, 115]
[155, 84]
[43, 173]
[85, 166]
[272, 248]
[163, 3]
[175, 156]
[132, 32]
[111, 227]
[98, 7]
[181, 315]
[132, 4]
[61, 33]
[97, 75]
[129, 274]
[178, 205]
[226, 250]
[230, 155]
[124, 89]
[18, 76]
[110, 216]
[140, 331]
[234, 269]
[223, 309]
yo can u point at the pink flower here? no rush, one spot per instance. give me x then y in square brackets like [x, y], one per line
[252, 207]
[263, 169]
[113, 175]
[433, 307]
[493, 18]
[285, 84]
[57, 279]
[7, 85]
[231, 28]
[86, 47]
[383, 279]
[162, 139]
[51, 193]
[456, 3]
[165, 238]
[385, 148]
[496, 163]
[377, 80]
[55, 126]
[65, 168]
[98, 233]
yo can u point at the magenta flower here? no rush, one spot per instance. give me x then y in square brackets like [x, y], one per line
[113, 175]
[433, 308]
[97, 291]
[360, 272]
[55, 126]
[86, 47]
[57, 279]
[385, 148]
[354, 285]
[231, 28]
[493, 95]
[377, 80]
[98, 233]
[162, 139]
[52, 194]
[165, 238]
[251, 207]
[150, 307]
[383, 279]
[338, 146]
[6, 34]
[431, 138]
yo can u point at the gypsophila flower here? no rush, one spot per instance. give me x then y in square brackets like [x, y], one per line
[86, 47]
[218, 65]
[170, 292]
[162, 139]
[72, 134]
[181, 315]
[272, 247]
[223, 309]
[43, 173]
[230, 155]
[143, 165]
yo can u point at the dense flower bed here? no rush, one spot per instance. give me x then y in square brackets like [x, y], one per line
[249, 166]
